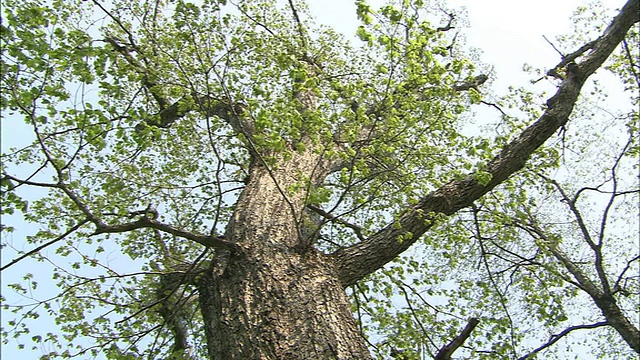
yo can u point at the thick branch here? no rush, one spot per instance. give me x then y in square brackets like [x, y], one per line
[209, 241]
[181, 274]
[585, 282]
[367, 256]
[473, 84]
[447, 350]
[612, 312]
[232, 113]
[171, 111]
[172, 306]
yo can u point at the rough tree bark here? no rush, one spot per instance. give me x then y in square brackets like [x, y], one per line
[274, 296]
[277, 297]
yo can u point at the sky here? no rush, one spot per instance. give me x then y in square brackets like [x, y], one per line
[509, 34]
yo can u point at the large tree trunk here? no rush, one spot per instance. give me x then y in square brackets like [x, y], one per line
[278, 305]
[278, 298]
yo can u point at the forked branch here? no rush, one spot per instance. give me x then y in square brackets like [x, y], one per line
[102, 227]
[367, 256]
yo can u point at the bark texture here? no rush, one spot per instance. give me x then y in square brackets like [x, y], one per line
[278, 305]
[277, 298]
[616, 318]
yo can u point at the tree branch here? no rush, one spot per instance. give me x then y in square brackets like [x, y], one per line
[144, 222]
[472, 84]
[447, 350]
[554, 338]
[331, 218]
[367, 256]
[187, 274]
[45, 245]
[218, 242]
[621, 276]
[301, 32]
[576, 213]
[172, 310]
[449, 25]
[585, 282]
[170, 111]
[602, 297]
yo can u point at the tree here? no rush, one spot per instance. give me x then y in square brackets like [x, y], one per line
[254, 166]
[578, 253]
[548, 261]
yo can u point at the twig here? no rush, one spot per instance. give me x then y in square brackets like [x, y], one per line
[632, 65]
[554, 47]
[484, 254]
[415, 315]
[554, 338]
[45, 245]
[303, 42]
[356, 229]
[495, 106]
[449, 25]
